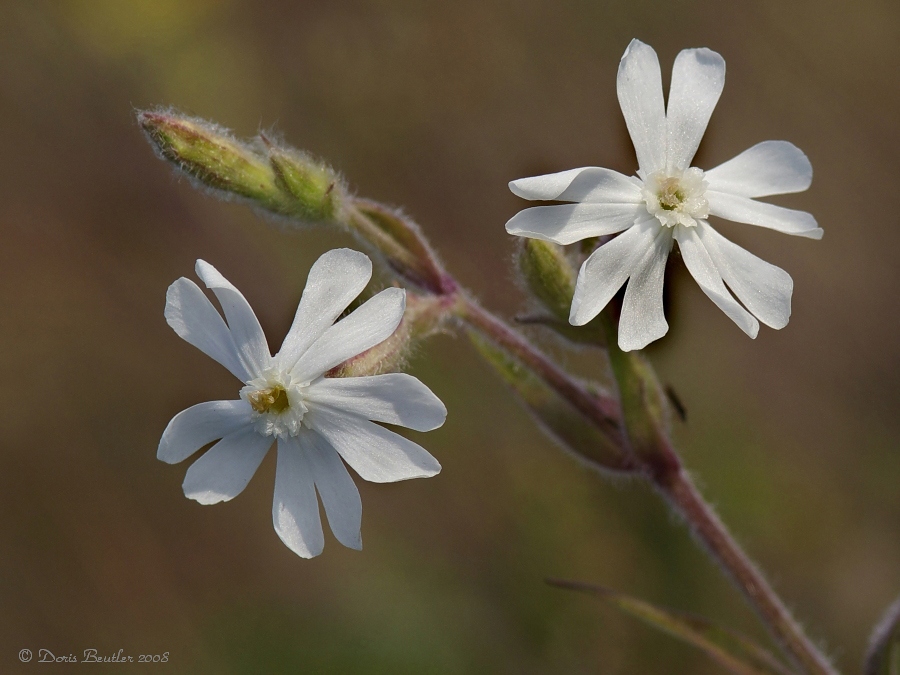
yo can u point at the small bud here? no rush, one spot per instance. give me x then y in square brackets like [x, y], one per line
[549, 276]
[213, 157]
[424, 316]
[315, 189]
[281, 180]
[402, 244]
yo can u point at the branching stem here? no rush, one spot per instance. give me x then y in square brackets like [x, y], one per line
[675, 485]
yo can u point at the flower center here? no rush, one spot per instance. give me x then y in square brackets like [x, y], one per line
[277, 403]
[274, 400]
[671, 196]
[677, 199]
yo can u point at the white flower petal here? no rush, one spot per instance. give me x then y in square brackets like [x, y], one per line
[339, 494]
[203, 423]
[643, 320]
[698, 77]
[295, 509]
[704, 271]
[375, 453]
[768, 168]
[568, 223]
[763, 288]
[588, 184]
[639, 86]
[394, 398]
[190, 314]
[607, 268]
[335, 279]
[744, 210]
[224, 470]
[246, 332]
[368, 325]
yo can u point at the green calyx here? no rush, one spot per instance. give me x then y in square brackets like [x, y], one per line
[283, 181]
[550, 278]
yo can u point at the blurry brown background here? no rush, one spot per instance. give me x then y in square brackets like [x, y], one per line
[432, 106]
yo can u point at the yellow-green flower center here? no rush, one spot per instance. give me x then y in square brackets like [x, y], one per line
[273, 400]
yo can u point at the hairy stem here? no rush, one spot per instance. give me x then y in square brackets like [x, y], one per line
[680, 491]
[602, 411]
[675, 485]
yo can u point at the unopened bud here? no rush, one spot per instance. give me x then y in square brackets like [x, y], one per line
[550, 278]
[209, 154]
[286, 182]
[315, 189]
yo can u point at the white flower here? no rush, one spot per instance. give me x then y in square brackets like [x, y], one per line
[315, 420]
[670, 200]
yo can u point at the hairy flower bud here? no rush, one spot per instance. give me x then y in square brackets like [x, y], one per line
[315, 189]
[550, 278]
[283, 181]
[209, 154]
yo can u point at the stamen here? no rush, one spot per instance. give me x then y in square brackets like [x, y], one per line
[671, 196]
[274, 400]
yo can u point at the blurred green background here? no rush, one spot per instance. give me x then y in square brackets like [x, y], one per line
[433, 107]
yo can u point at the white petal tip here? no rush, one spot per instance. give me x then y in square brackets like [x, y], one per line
[206, 498]
[707, 56]
[299, 547]
[304, 553]
[634, 44]
[578, 317]
[201, 267]
[163, 454]
[817, 233]
[634, 343]
[425, 471]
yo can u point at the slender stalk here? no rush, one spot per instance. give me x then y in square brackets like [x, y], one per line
[674, 484]
[682, 494]
[603, 411]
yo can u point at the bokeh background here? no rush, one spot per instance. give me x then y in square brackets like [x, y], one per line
[433, 107]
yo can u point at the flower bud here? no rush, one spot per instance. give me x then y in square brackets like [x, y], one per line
[283, 181]
[549, 276]
[316, 190]
[210, 155]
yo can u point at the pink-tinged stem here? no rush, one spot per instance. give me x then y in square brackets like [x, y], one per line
[680, 491]
[601, 410]
[674, 484]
